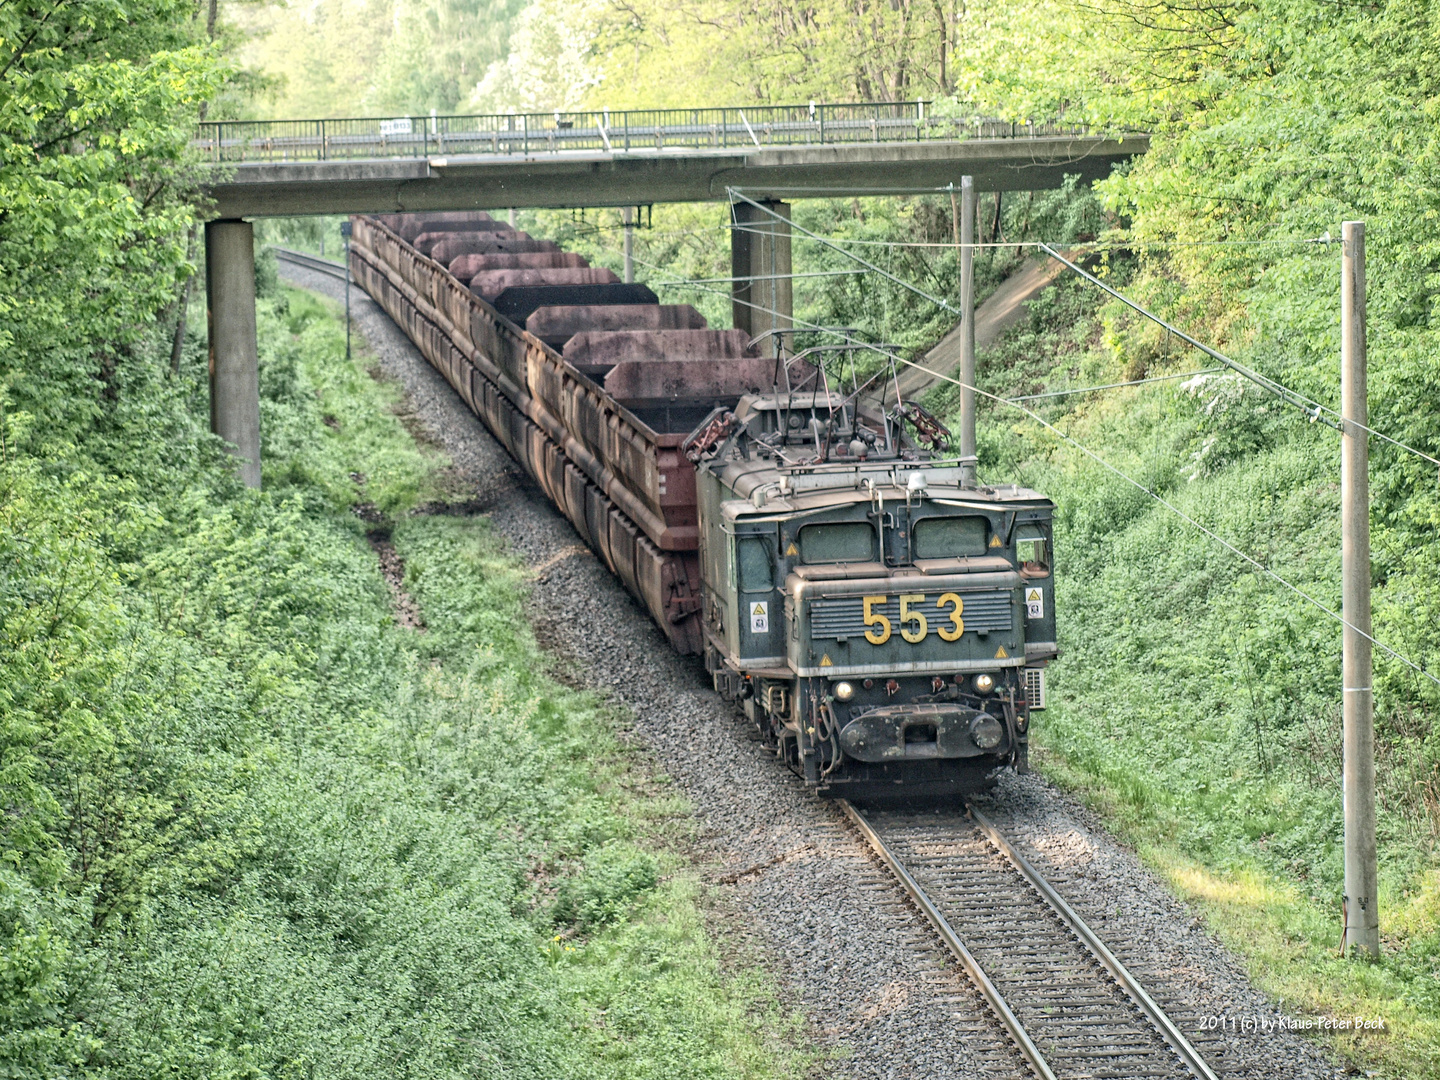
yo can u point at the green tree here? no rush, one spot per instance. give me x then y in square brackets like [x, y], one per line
[368, 57]
[97, 104]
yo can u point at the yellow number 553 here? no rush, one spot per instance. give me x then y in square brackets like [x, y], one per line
[913, 624]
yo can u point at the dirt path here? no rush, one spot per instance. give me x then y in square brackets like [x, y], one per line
[1006, 306]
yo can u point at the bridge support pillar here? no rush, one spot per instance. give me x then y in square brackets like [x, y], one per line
[760, 263]
[234, 353]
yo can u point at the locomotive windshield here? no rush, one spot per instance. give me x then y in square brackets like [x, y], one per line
[846, 541]
[756, 574]
[951, 537]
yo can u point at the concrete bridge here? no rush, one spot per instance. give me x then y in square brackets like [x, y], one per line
[595, 159]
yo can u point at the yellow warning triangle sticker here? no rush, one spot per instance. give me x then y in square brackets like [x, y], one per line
[995, 542]
[1032, 594]
[759, 610]
[825, 661]
[1000, 653]
[792, 550]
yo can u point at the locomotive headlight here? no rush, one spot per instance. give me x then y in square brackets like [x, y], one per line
[844, 691]
[984, 684]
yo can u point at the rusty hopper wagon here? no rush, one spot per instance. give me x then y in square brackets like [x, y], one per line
[884, 625]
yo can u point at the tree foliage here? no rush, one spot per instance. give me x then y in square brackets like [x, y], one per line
[368, 57]
[96, 103]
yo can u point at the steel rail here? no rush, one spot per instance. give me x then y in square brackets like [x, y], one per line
[1168, 1031]
[311, 262]
[922, 900]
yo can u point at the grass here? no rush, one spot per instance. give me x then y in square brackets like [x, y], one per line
[255, 827]
[1287, 941]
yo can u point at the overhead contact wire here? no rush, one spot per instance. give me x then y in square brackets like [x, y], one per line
[1309, 406]
[1183, 517]
[736, 193]
[1014, 404]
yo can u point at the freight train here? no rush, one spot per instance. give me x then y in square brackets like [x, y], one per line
[885, 625]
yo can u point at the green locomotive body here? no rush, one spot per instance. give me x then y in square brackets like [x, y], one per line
[883, 625]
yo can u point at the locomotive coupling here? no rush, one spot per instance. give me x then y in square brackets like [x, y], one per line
[898, 732]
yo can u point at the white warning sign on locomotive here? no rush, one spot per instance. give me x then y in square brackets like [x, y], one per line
[760, 617]
[1034, 602]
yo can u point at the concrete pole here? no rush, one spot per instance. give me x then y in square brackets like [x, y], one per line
[512, 217]
[1362, 916]
[967, 331]
[627, 215]
[760, 262]
[234, 355]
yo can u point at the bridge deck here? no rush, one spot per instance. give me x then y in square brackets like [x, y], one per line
[602, 158]
[587, 178]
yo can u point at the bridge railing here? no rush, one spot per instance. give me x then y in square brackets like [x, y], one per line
[530, 134]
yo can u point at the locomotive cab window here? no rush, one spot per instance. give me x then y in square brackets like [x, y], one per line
[754, 563]
[951, 537]
[1032, 552]
[843, 541]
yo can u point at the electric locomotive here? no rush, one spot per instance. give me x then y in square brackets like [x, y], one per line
[885, 625]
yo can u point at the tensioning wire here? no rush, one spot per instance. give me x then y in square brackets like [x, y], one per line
[1181, 515]
[1116, 385]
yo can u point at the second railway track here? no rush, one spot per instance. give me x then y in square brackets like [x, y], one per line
[311, 262]
[1071, 1007]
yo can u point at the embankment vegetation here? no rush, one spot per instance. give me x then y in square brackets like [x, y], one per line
[174, 675]
[254, 826]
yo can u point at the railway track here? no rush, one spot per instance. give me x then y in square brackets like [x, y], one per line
[1069, 1005]
[311, 262]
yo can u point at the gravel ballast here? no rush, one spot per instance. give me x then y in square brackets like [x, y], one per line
[884, 1000]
